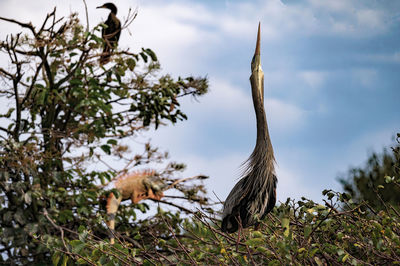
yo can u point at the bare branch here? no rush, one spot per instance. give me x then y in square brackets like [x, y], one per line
[46, 214]
[47, 18]
[5, 130]
[27, 95]
[24, 25]
[6, 73]
[87, 16]
[174, 205]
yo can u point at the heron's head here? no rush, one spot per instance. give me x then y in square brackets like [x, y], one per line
[110, 6]
[256, 61]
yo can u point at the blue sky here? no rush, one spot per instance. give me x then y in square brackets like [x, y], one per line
[331, 81]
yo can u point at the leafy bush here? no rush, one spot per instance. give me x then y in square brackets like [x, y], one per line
[362, 183]
[300, 233]
[339, 232]
[67, 112]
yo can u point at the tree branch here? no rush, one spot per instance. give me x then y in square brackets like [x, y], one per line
[183, 180]
[24, 25]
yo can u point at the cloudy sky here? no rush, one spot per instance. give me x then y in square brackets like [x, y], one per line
[331, 80]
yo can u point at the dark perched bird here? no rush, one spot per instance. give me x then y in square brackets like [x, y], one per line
[110, 33]
[254, 196]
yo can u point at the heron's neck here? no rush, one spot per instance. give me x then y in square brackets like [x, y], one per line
[257, 86]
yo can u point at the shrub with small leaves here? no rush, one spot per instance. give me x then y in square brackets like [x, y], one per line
[295, 232]
[340, 231]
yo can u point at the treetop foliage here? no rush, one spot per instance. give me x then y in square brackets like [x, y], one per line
[363, 183]
[65, 112]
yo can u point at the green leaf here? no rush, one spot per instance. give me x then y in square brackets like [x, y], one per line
[151, 54]
[340, 252]
[274, 263]
[141, 207]
[91, 151]
[312, 253]
[307, 230]
[102, 180]
[257, 234]
[106, 149]
[285, 224]
[144, 56]
[65, 260]
[80, 199]
[81, 261]
[112, 142]
[83, 235]
[103, 260]
[81, 228]
[255, 242]
[42, 97]
[388, 179]
[131, 64]
[300, 250]
[318, 261]
[77, 245]
[56, 258]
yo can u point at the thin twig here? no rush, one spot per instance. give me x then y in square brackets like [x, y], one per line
[179, 243]
[174, 205]
[46, 214]
[87, 16]
[183, 180]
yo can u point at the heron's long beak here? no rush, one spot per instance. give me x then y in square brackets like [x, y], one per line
[256, 61]
[257, 51]
[100, 6]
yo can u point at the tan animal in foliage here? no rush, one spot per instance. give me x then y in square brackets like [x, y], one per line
[136, 186]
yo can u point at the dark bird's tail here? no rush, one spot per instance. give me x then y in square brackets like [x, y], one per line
[106, 55]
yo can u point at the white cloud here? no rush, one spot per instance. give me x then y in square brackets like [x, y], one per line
[361, 22]
[366, 77]
[292, 184]
[232, 104]
[284, 117]
[224, 171]
[314, 79]
[226, 96]
[371, 141]
[369, 18]
[383, 57]
[350, 18]
[337, 5]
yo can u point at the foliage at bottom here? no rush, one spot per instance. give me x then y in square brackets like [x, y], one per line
[298, 233]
